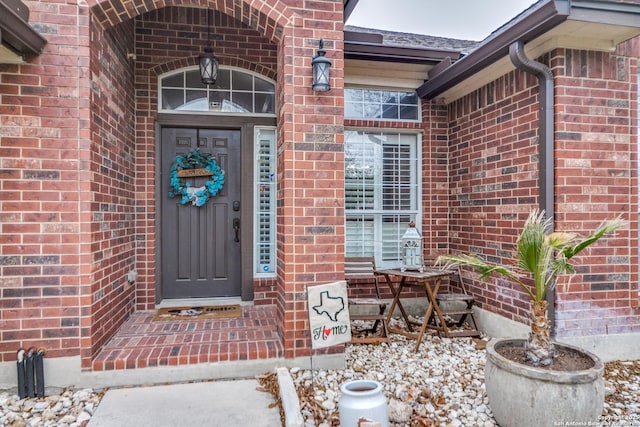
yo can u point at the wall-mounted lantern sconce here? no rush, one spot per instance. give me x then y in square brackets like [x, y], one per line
[321, 74]
[208, 61]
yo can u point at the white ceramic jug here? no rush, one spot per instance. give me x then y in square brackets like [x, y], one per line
[362, 399]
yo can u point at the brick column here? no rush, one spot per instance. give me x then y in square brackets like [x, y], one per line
[310, 169]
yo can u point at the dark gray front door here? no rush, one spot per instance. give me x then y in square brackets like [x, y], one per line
[200, 245]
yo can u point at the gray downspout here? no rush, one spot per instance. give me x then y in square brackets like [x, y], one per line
[545, 142]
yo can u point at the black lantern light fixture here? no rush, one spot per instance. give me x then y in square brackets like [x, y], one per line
[208, 61]
[321, 67]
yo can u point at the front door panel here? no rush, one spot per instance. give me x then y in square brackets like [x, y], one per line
[200, 245]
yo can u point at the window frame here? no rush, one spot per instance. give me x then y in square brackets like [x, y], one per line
[378, 212]
[418, 105]
[258, 271]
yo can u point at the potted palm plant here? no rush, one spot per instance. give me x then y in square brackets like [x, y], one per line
[533, 392]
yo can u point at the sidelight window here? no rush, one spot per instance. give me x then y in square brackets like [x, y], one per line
[265, 201]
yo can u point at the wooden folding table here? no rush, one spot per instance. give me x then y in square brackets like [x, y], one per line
[429, 280]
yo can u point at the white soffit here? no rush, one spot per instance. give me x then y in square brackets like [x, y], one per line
[570, 34]
[7, 56]
[384, 74]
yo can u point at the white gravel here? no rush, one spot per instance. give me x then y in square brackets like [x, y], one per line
[442, 384]
[68, 408]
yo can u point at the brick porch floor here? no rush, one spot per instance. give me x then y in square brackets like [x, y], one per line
[141, 342]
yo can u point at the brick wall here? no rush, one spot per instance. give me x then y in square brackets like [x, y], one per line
[435, 179]
[493, 179]
[77, 160]
[494, 183]
[597, 179]
[112, 172]
[43, 243]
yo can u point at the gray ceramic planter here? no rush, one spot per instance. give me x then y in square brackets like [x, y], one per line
[522, 396]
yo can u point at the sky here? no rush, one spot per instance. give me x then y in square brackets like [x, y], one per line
[459, 19]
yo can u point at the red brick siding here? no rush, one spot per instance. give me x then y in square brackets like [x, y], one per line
[112, 167]
[494, 184]
[265, 291]
[43, 137]
[435, 179]
[77, 169]
[493, 179]
[67, 135]
[310, 167]
[596, 144]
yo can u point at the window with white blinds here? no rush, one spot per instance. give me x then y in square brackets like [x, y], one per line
[382, 192]
[265, 201]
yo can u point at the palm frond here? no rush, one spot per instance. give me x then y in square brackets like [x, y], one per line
[483, 268]
[530, 243]
[606, 228]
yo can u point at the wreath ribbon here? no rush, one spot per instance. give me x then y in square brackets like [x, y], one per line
[193, 160]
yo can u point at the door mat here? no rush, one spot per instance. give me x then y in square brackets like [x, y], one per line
[198, 312]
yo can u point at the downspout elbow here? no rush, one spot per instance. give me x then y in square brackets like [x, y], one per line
[522, 62]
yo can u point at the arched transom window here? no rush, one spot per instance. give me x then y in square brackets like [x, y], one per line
[235, 92]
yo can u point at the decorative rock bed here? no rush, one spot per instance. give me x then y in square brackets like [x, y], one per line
[440, 385]
[69, 408]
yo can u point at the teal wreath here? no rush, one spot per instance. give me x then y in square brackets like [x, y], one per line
[196, 196]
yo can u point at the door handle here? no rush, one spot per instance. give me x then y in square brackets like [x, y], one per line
[236, 228]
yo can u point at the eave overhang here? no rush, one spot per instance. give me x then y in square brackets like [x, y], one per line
[348, 6]
[17, 37]
[592, 25]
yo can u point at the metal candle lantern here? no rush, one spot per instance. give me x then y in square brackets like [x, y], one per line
[411, 249]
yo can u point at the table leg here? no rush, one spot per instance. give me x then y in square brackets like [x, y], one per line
[443, 324]
[431, 293]
[401, 308]
[396, 295]
[396, 302]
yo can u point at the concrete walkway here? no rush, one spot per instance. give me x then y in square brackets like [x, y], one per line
[235, 403]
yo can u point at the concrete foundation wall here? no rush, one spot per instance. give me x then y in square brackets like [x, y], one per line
[62, 372]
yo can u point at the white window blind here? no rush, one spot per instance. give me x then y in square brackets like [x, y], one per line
[382, 192]
[265, 201]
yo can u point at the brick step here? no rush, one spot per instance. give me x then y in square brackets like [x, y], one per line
[142, 342]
